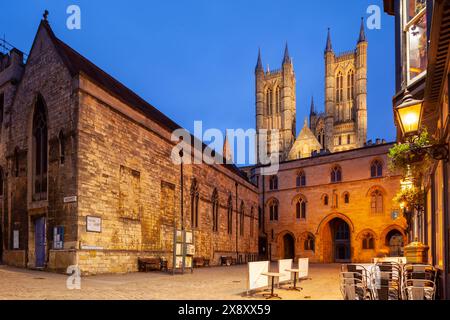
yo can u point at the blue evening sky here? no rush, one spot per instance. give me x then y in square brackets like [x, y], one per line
[195, 59]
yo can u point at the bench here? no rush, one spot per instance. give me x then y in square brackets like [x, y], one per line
[226, 260]
[149, 264]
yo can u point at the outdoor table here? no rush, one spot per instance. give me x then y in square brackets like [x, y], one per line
[295, 272]
[273, 275]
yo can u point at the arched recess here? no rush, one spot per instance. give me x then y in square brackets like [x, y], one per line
[390, 228]
[361, 234]
[332, 216]
[374, 188]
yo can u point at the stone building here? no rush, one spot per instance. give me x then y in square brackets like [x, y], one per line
[332, 207]
[331, 200]
[87, 176]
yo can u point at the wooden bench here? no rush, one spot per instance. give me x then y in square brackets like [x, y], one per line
[226, 260]
[199, 262]
[149, 264]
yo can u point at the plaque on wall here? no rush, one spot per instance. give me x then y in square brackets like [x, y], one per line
[93, 224]
[70, 199]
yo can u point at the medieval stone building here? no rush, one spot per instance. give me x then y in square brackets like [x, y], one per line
[331, 199]
[87, 177]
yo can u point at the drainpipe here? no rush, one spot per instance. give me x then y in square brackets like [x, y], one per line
[237, 226]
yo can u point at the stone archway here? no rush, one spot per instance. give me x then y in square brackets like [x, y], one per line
[288, 246]
[335, 233]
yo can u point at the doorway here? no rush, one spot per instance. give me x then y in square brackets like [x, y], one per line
[39, 242]
[289, 246]
[394, 240]
[340, 232]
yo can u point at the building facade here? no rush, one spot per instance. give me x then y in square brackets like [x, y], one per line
[422, 30]
[87, 176]
[332, 207]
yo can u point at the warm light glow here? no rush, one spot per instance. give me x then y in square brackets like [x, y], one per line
[410, 117]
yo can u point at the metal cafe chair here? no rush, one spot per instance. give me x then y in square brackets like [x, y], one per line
[353, 282]
[419, 282]
[386, 281]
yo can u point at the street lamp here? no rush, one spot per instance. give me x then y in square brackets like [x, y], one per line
[409, 114]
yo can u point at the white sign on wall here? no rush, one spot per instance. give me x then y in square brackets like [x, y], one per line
[93, 224]
[16, 239]
[70, 199]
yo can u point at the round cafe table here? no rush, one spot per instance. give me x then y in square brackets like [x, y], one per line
[295, 272]
[272, 275]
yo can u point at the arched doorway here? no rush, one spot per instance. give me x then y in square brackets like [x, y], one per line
[340, 235]
[288, 246]
[394, 241]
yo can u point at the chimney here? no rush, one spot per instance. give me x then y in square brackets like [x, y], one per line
[378, 141]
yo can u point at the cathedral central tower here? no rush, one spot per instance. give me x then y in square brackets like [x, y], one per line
[276, 103]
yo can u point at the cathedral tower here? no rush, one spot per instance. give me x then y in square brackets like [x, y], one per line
[345, 117]
[276, 103]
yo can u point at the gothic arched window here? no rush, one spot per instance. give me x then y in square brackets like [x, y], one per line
[230, 215]
[336, 174]
[269, 102]
[368, 241]
[301, 179]
[346, 197]
[376, 201]
[62, 147]
[350, 85]
[321, 137]
[309, 244]
[40, 153]
[339, 87]
[215, 211]
[376, 169]
[273, 210]
[194, 204]
[278, 99]
[300, 209]
[241, 219]
[325, 200]
[273, 183]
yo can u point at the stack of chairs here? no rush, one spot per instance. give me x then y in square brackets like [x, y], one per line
[419, 282]
[386, 281]
[354, 280]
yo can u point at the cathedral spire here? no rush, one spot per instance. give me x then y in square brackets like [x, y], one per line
[226, 152]
[329, 47]
[259, 62]
[313, 107]
[362, 34]
[287, 58]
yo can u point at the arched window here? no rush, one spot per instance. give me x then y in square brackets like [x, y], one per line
[40, 154]
[376, 169]
[350, 85]
[215, 211]
[309, 244]
[376, 201]
[230, 215]
[346, 197]
[368, 241]
[339, 87]
[62, 147]
[321, 138]
[278, 99]
[252, 221]
[273, 183]
[269, 102]
[301, 179]
[194, 204]
[300, 209]
[325, 200]
[16, 162]
[241, 219]
[273, 210]
[336, 174]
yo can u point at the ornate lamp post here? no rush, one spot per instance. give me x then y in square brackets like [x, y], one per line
[409, 116]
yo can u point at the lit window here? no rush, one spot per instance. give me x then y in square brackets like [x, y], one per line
[415, 28]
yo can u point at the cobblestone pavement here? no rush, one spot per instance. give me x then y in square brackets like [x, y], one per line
[216, 283]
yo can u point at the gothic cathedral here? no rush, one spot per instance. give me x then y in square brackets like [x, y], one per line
[343, 124]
